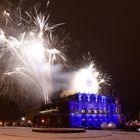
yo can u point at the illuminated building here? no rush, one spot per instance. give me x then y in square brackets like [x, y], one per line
[91, 110]
[82, 110]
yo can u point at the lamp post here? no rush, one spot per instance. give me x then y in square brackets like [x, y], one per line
[23, 121]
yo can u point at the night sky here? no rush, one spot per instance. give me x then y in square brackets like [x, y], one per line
[108, 29]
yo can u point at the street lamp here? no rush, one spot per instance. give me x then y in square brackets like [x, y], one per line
[23, 118]
[42, 121]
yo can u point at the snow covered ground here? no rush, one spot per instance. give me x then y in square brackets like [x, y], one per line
[25, 133]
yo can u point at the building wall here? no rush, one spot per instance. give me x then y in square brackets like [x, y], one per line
[91, 110]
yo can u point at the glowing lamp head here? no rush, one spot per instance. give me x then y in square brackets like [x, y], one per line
[23, 118]
[42, 121]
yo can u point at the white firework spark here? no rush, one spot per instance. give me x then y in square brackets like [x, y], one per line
[32, 55]
[88, 80]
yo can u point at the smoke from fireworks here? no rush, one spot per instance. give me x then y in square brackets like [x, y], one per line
[31, 57]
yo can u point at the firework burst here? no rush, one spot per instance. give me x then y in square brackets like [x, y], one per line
[88, 79]
[32, 54]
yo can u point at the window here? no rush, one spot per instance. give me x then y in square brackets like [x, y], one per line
[89, 111]
[83, 119]
[105, 111]
[101, 111]
[74, 110]
[95, 111]
[83, 111]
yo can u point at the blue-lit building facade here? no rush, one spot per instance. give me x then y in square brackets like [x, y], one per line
[91, 110]
[81, 110]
